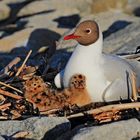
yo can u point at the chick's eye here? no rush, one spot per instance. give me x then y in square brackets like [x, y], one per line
[88, 31]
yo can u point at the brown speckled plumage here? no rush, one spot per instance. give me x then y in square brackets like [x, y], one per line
[43, 97]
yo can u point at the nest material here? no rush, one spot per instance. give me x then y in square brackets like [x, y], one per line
[26, 92]
[45, 98]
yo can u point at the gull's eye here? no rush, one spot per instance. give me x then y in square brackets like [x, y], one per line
[88, 30]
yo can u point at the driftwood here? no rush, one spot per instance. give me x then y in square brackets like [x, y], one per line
[15, 114]
[23, 64]
[9, 66]
[8, 27]
[3, 117]
[107, 108]
[6, 85]
[6, 93]
[2, 99]
[49, 112]
[5, 106]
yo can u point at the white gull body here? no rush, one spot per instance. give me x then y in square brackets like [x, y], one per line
[106, 75]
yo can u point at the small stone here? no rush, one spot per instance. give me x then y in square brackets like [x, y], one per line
[49, 20]
[4, 11]
[122, 130]
[38, 127]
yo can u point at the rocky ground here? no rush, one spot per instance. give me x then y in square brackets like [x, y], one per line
[37, 24]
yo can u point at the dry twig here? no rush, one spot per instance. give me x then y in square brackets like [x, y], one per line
[3, 117]
[5, 106]
[10, 26]
[134, 89]
[6, 85]
[48, 112]
[10, 65]
[2, 99]
[108, 108]
[6, 93]
[23, 64]
[15, 115]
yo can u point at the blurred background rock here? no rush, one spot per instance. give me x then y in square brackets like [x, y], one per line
[37, 24]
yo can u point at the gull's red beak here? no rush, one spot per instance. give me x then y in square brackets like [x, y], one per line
[71, 36]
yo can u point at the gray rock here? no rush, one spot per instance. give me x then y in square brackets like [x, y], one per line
[53, 19]
[44, 6]
[17, 39]
[2, 138]
[122, 31]
[45, 21]
[123, 41]
[33, 8]
[29, 38]
[81, 5]
[127, 6]
[45, 127]
[109, 18]
[105, 5]
[13, 1]
[133, 7]
[122, 130]
[54, 15]
[84, 6]
[4, 11]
